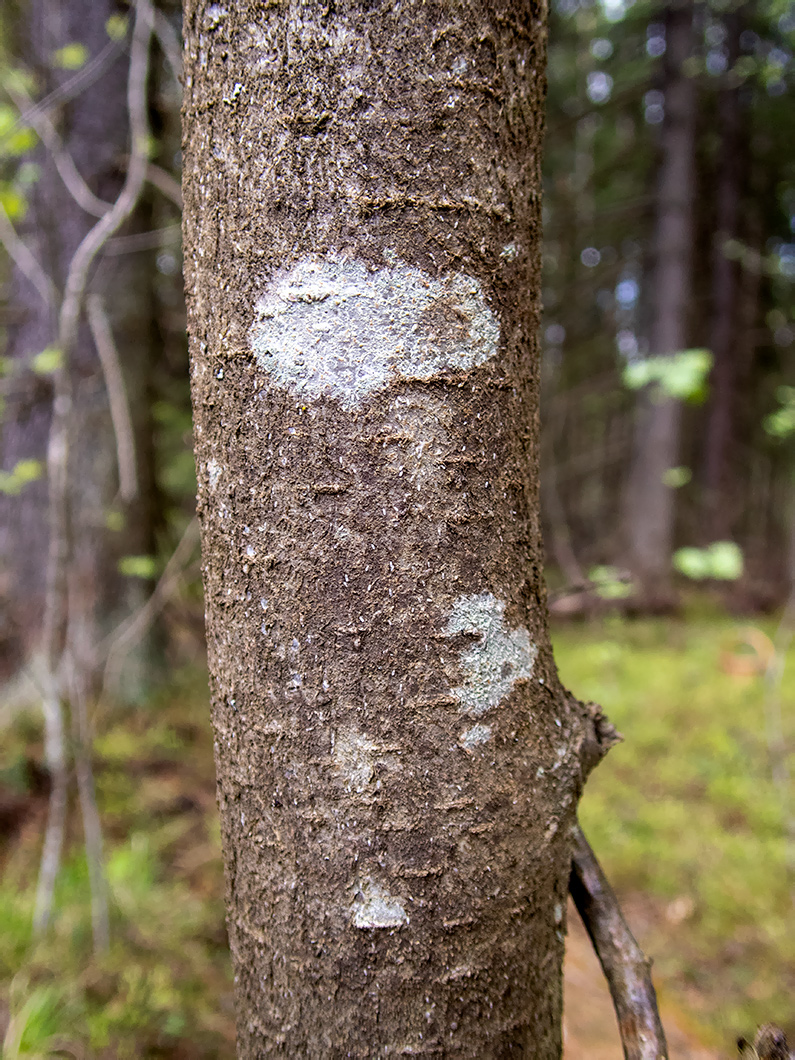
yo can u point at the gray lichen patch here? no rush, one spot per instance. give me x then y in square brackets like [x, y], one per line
[373, 907]
[498, 658]
[354, 760]
[417, 438]
[341, 330]
[478, 734]
[213, 473]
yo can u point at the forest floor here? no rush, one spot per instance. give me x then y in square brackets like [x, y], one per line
[685, 816]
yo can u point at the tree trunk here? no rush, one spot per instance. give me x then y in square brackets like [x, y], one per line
[725, 340]
[397, 764]
[648, 501]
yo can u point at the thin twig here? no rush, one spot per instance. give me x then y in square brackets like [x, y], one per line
[77, 668]
[164, 183]
[168, 39]
[55, 757]
[117, 397]
[627, 970]
[64, 163]
[25, 260]
[55, 603]
[130, 193]
[136, 625]
[71, 88]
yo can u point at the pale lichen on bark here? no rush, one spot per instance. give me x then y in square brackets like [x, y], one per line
[341, 329]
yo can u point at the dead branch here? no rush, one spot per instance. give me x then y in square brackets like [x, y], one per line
[25, 260]
[117, 397]
[627, 970]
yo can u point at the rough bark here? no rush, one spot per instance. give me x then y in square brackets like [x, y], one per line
[648, 501]
[397, 763]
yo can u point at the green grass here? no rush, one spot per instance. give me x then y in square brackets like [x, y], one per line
[164, 989]
[685, 815]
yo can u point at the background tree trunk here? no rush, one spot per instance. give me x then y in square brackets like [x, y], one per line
[93, 130]
[397, 763]
[648, 501]
[720, 485]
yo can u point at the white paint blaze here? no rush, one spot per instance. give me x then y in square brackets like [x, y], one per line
[498, 658]
[340, 329]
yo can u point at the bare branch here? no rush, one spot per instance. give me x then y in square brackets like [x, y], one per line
[164, 183]
[64, 163]
[77, 665]
[136, 625]
[131, 191]
[117, 397]
[76, 84]
[169, 41]
[25, 260]
[55, 757]
[627, 970]
[56, 604]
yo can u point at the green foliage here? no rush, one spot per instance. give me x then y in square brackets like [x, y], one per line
[609, 583]
[48, 361]
[164, 989]
[680, 375]
[676, 477]
[15, 140]
[685, 816]
[781, 423]
[722, 560]
[72, 56]
[116, 27]
[138, 567]
[25, 472]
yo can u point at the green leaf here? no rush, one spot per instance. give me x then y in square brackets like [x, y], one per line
[116, 27]
[681, 375]
[13, 203]
[637, 374]
[726, 560]
[48, 361]
[25, 471]
[723, 560]
[781, 423]
[675, 477]
[692, 562]
[138, 567]
[609, 583]
[71, 56]
[114, 520]
[684, 375]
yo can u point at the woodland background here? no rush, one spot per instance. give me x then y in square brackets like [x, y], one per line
[669, 581]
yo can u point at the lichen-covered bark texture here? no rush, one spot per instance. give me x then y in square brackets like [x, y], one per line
[397, 763]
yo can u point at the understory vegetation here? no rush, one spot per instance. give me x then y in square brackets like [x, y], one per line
[689, 817]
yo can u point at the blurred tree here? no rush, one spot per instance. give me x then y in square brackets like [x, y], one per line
[649, 499]
[605, 150]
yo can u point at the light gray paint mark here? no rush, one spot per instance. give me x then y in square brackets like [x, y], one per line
[375, 908]
[496, 660]
[339, 329]
[476, 735]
